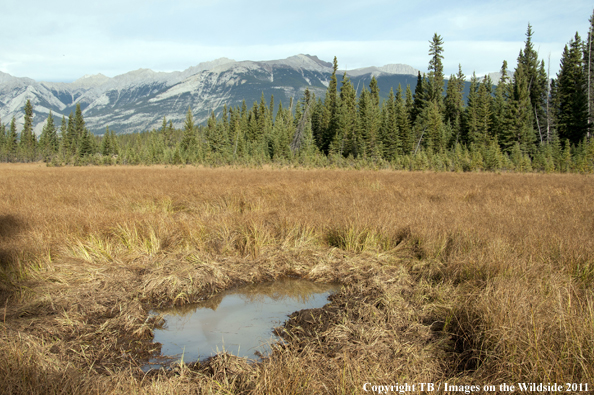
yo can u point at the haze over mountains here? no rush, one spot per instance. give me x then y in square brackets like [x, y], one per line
[138, 100]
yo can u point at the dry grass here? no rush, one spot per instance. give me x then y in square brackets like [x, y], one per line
[469, 278]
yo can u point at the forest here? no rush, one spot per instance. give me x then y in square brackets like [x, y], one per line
[526, 121]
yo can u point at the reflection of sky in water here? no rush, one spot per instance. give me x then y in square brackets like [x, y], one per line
[240, 321]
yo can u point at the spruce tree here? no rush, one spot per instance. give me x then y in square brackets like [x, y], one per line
[329, 120]
[48, 140]
[189, 138]
[521, 130]
[500, 108]
[454, 103]
[572, 116]
[435, 77]
[347, 120]
[106, 149]
[28, 140]
[2, 139]
[86, 145]
[589, 73]
[115, 149]
[389, 133]
[419, 98]
[403, 120]
[11, 140]
[63, 135]
[79, 123]
[471, 134]
[71, 140]
[533, 71]
[484, 105]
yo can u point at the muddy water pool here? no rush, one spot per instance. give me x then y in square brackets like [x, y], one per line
[239, 321]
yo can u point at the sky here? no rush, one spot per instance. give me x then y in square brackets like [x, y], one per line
[63, 40]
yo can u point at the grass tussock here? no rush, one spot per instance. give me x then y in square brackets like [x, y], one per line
[464, 278]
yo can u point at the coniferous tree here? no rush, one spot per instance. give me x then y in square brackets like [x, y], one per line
[115, 149]
[70, 143]
[521, 130]
[471, 121]
[86, 144]
[484, 105]
[409, 101]
[389, 132]
[572, 113]
[454, 103]
[329, 121]
[106, 148]
[403, 120]
[48, 140]
[11, 140]
[589, 73]
[536, 80]
[189, 138]
[347, 120]
[434, 134]
[2, 139]
[79, 124]
[435, 77]
[28, 140]
[419, 98]
[500, 108]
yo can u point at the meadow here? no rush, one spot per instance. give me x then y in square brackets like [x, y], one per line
[464, 278]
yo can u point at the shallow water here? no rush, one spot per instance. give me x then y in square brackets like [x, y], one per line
[238, 321]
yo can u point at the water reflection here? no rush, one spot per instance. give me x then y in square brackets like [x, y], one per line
[239, 321]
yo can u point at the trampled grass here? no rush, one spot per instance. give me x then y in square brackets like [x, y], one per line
[467, 278]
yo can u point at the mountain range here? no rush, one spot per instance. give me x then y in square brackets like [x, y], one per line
[138, 100]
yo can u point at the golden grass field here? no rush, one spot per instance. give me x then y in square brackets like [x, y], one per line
[474, 278]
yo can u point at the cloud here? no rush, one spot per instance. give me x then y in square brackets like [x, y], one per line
[65, 40]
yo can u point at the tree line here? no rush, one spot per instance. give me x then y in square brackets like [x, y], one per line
[526, 121]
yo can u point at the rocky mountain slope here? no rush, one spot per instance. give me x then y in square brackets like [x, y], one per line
[138, 100]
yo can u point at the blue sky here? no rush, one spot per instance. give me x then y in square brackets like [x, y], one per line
[64, 40]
